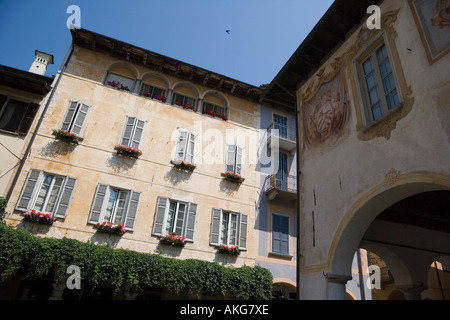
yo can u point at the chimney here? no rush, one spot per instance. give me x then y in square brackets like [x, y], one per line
[40, 63]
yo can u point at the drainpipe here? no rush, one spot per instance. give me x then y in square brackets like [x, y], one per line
[298, 256]
[38, 125]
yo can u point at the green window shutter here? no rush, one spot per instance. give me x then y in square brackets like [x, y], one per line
[190, 223]
[65, 197]
[159, 216]
[97, 204]
[243, 227]
[24, 202]
[133, 208]
[215, 227]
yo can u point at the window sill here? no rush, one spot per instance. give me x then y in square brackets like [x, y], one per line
[387, 115]
[11, 133]
[280, 256]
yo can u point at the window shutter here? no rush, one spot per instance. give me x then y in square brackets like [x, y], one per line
[65, 198]
[138, 130]
[28, 119]
[215, 227]
[25, 199]
[128, 131]
[238, 160]
[229, 161]
[243, 223]
[133, 209]
[69, 115]
[97, 205]
[80, 118]
[190, 148]
[159, 216]
[181, 145]
[190, 223]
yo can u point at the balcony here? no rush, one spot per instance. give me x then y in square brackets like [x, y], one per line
[284, 135]
[281, 186]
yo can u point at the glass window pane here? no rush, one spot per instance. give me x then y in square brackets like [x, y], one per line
[224, 230]
[233, 230]
[110, 205]
[392, 99]
[389, 83]
[367, 66]
[371, 80]
[171, 217]
[120, 207]
[13, 115]
[374, 95]
[124, 81]
[385, 68]
[381, 53]
[180, 219]
[54, 194]
[43, 192]
[377, 111]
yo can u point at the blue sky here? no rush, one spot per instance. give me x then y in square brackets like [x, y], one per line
[264, 33]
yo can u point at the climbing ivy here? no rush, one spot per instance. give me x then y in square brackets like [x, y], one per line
[24, 253]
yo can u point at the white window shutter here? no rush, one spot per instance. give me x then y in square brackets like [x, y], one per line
[65, 197]
[128, 131]
[24, 202]
[80, 119]
[181, 145]
[138, 132]
[243, 227]
[97, 204]
[238, 160]
[190, 148]
[160, 216]
[215, 227]
[230, 158]
[190, 223]
[133, 208]
[71, 111]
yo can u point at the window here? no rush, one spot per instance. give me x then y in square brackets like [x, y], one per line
[233, 161]
[16, 116]
[379, 86]
[214, 108]
[180, 100]
[132, 132]
[75, 117]
[229, 228]
[151, 91]
[185, 146]
[280, 123]
[115, 205]
[280, 234]
[282, 175]
[175, 217]
[124, 81]
[48, 193]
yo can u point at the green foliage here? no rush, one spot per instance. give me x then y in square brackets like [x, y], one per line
[21, 252]
[2, 206]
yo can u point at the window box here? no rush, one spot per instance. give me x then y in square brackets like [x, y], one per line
[216, 115]
[183, 165]
[39, 217]
[232, 250]
[67, 136]
[109, 227]
[118, 85]
[156, 97]
[128, 151]
[172, 239]
[233, 177]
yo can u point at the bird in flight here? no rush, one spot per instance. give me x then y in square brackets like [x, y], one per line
[228, 31]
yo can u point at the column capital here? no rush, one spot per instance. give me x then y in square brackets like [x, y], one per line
[337, 278]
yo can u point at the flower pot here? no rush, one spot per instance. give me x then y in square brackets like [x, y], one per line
[38, 220]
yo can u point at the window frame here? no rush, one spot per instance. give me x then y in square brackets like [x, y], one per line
[214, 108]
[371, 52]
[132, 133]
[229, 215]
[272, 232]
[74, 117]
[30, 112]
[190, 138]
[112, 218]
[242, 224]
[238, 152]
[183, 102]
[142, 91]
[107, 79]
[49, 192]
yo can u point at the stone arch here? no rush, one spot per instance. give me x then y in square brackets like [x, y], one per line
[123, 72]
[285, 286]
[189, 86]
[156, 78]
[363, 212]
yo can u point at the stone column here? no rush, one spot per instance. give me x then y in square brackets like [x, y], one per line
[336, 286]
[58, 291]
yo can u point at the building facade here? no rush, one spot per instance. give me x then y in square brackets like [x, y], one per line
[147, 144]
[374, 142]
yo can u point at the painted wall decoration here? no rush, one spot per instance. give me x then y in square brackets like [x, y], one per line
[432, 18]
[327, 112]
